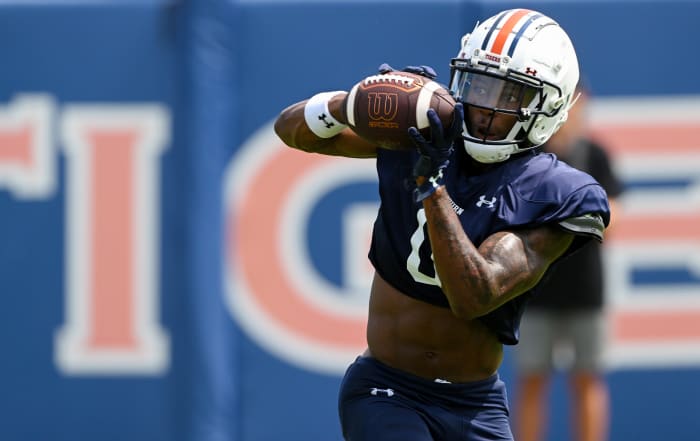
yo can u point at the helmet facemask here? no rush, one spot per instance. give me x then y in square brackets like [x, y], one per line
[499, 109]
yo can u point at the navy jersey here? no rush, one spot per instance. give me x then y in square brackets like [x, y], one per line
[528, 190]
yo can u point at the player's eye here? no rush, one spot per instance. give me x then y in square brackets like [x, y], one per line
[477, 88]
[511, 94]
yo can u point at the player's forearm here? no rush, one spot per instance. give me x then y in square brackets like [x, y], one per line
[292, 128]
[467, 278]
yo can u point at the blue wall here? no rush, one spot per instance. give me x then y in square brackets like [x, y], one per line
[213, 74]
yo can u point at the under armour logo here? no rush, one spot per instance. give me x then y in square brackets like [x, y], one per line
[323, 117]
[483, 201]
[377, 391]
[529, 71]
[434, 179]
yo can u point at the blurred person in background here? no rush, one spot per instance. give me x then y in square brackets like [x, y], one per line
[567, 313]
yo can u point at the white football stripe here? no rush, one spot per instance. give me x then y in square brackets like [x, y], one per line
[423, 103]
[350, 106]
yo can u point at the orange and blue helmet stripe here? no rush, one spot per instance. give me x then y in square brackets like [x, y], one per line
[510, 20]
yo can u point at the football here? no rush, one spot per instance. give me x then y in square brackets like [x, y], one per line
[382, 107]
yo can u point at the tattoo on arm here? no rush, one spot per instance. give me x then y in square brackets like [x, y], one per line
[506, 264]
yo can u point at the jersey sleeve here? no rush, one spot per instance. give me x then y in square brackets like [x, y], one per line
[588, 224]
[552, 192]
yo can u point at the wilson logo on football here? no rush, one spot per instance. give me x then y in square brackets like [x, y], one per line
[382, 109]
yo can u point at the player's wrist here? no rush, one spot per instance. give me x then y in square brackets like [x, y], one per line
[426, 186]
[336, 106]
[318, 116]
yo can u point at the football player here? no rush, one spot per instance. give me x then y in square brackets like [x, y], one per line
[458, 255]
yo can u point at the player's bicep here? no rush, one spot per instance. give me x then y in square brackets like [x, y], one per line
[520, 258]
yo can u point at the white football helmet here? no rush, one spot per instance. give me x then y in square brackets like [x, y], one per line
[519, 63]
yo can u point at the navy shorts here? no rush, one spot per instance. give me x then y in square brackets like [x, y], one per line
[380, 403]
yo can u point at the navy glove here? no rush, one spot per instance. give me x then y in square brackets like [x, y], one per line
[435, 153]
[422, 70]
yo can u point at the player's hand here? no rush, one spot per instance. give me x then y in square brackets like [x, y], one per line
[435, 153]
[422, 70]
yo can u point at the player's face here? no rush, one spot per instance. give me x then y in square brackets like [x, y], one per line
[493, 93]
[488, 125]
[492, 104]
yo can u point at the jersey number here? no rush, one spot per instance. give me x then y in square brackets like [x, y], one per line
[413, 264]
